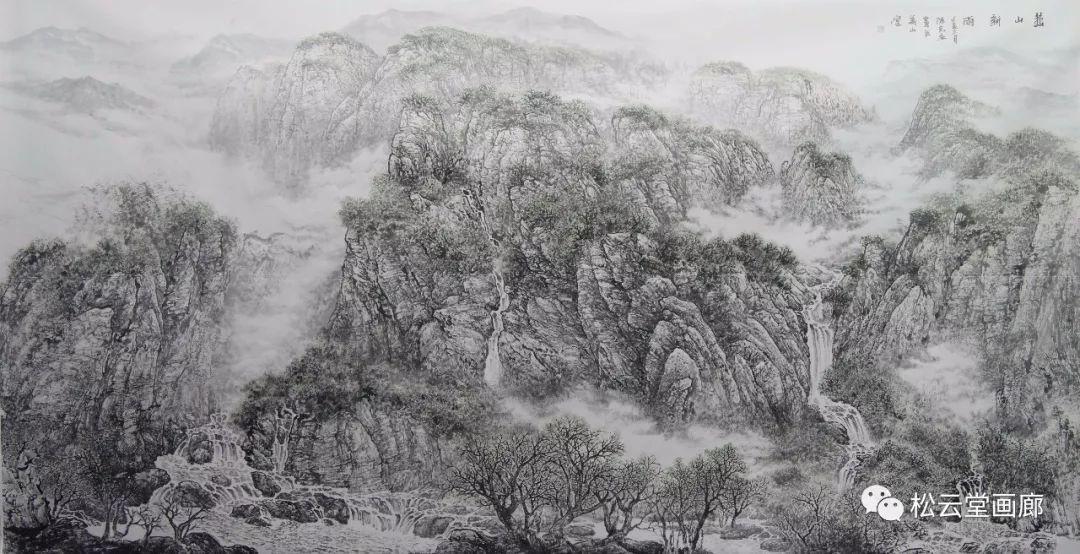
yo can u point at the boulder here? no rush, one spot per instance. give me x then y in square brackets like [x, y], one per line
[776, 544]
[642, 547]
[258, 521]
[299, 511]
[199, 450]
[244, 511]
[203, 543]
[257, 460]
[145, 483]
[240, 549]
[220, 480]
[579, 530]
[333, 507]
[265, 483]
[459, 547]
[192, 495]
[431, 526]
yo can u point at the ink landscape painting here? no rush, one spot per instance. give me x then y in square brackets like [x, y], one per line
[481, 276]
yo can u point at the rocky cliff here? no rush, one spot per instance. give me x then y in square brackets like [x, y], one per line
[780, 105]
[115, 341]
[997, 266]
[337, 96]
[942, 132]
[113, 344]
[519, 246]
[819, 187]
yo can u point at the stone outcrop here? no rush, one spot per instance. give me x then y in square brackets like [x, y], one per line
[820, 188]
[942, 132]
[785, 106]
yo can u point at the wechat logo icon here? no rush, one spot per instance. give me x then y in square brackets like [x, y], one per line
[879, 500]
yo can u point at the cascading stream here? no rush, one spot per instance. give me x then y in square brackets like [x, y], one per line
[819, 338]
[493, 369]
[228, 478]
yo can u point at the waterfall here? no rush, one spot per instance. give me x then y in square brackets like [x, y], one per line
[284, 424]
[819, 338]
[493, 369]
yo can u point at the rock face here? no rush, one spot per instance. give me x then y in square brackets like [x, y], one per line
[336, 96]
[782, 105]
[325, 75]
[134, 328]
[518, 246]
[941, 132]
[818, 187]
[240, 125]
[146, 303]
[225, 53]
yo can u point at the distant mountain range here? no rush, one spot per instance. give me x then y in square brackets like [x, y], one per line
[85, 94]
[383, 29]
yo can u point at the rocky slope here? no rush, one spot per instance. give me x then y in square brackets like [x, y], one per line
[782, 105]
[818, 187]
[518, 246]
[943, 134]
[320, 117]
[1001, 268]
[113, 345]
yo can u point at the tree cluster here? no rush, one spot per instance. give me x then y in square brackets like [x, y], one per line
[538, 482]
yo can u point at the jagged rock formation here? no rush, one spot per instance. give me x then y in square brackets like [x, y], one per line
[86, 94]
[942, 133]
[518, 231]
[240, 125]
[225, 53]
[782, 105]
[818, 187]
[325, 74]
[686, 162]
[111, 348]
[320, 118]
[1001, 268]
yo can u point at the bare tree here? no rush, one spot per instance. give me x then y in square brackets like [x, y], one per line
[505, 470]
[712, 473]
[147, 517]
[739, 495]
[674, 505]
[184, 506]
[816, 519]
[580, 461]
[625, 495]
[691, 493]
